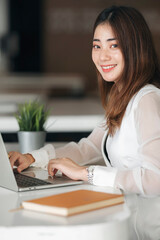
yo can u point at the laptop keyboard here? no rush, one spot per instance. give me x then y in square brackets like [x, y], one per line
[26, 181]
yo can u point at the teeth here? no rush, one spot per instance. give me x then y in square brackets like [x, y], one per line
[108, 67]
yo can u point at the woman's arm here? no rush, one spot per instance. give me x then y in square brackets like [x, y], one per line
[88, 150]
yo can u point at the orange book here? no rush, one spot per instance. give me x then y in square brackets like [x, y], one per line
[70, 203]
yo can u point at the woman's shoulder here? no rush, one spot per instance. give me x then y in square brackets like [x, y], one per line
[147, 92]
[148, 89]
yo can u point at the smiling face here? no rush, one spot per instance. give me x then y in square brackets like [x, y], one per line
[106, 53]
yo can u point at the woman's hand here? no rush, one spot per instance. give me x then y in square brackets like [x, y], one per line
[68, 168]
[22, 161]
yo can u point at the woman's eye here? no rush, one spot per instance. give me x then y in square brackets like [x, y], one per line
[96, 46]
[114, 45]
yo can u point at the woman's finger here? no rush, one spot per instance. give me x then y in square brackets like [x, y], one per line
[55, 171]
[13, 158]
[22, 166]
[52, 166]
[51, 169]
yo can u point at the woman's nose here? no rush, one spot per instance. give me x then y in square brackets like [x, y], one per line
[105, 55]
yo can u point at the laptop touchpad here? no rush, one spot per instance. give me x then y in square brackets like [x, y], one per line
[43, 175]
[36, 172]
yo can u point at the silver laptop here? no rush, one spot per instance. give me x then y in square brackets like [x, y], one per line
[30, 179]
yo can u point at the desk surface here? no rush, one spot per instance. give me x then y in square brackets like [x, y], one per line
[112, 221]
[137, 219]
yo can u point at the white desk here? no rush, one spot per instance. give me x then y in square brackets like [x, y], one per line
[107, 223]
[137, 219]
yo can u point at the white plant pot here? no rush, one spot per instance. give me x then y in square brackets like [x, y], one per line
[30, 141]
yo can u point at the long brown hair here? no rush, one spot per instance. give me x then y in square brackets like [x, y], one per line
[140, 61]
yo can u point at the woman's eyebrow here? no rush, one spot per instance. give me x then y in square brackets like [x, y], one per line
[96, 40]
[108, 40]
[111, 39]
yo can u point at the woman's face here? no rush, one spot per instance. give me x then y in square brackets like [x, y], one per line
[106, 53]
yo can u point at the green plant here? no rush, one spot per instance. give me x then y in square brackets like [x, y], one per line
[31, 116]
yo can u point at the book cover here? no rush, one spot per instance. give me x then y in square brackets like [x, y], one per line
[74, 202]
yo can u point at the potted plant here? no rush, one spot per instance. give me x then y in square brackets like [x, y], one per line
[31, 118]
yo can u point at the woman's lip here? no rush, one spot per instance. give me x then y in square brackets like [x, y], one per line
[108, 68]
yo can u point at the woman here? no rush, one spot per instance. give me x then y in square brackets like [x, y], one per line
[129, 143]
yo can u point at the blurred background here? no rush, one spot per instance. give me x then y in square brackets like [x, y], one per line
[45, 52]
